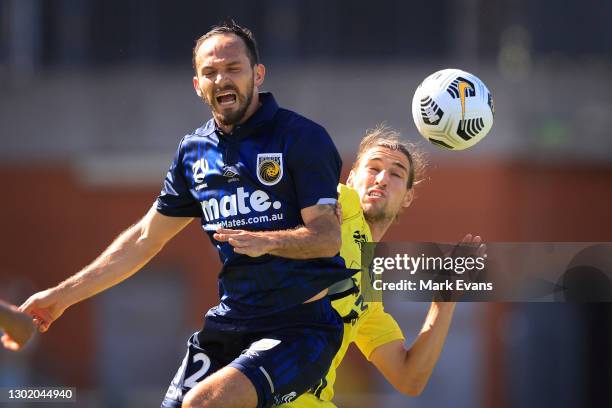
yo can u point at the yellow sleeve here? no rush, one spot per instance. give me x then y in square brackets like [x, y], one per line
[377, 328]
[355, 230]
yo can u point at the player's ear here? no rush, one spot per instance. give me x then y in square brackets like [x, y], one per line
[408, 198]
[349, 180]
[196, 86]
[260, 74]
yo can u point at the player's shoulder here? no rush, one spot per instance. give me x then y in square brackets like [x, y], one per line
[296, 125]
[349, 200]
[294, 119]
[206, 131]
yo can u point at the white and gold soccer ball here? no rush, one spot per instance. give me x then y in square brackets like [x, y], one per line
[453, 109]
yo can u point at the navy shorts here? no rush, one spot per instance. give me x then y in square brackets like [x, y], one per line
[283, 355]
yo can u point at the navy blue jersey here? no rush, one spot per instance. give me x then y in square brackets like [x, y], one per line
[257, 178]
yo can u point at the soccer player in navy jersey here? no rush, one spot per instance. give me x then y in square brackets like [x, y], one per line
[262, 180]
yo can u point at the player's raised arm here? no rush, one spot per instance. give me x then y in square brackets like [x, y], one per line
[129, 252]
[409, 369]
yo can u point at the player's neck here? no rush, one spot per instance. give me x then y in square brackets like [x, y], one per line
[378, 229]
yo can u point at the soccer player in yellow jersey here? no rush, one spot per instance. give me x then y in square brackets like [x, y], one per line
[381, 185]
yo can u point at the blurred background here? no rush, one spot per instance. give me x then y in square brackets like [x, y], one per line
[96, 94]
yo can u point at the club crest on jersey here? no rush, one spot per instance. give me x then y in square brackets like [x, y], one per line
[200, 168]
[269, 168]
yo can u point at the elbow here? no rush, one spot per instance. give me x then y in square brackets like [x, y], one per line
[411, 389]
[333, 245]
[325, 238]
[148, 245]
[411, 385]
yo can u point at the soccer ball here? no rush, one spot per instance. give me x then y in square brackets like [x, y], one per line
[453, 109]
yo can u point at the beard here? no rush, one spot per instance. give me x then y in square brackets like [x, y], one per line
[378, 215]
[235, 116]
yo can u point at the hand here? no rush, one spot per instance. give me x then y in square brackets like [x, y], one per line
[44, 307]
[19, 330]
[249, 243]
[469, 247]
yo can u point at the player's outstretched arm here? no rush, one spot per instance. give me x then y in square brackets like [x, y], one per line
[18, 327]
[319, 237]
[130, 251]
[408, 370]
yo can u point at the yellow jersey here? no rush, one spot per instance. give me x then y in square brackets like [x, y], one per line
[366, 323]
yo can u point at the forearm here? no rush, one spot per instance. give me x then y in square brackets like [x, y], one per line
[304, 243]
[319, 237]
[124, 257]
[422, 356]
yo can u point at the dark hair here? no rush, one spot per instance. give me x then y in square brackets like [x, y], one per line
[230, 28]
[385, 136]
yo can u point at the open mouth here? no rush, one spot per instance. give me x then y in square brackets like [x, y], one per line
[226, 98]
[375, 194]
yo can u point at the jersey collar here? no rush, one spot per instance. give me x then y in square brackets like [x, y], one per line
[263, 115]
